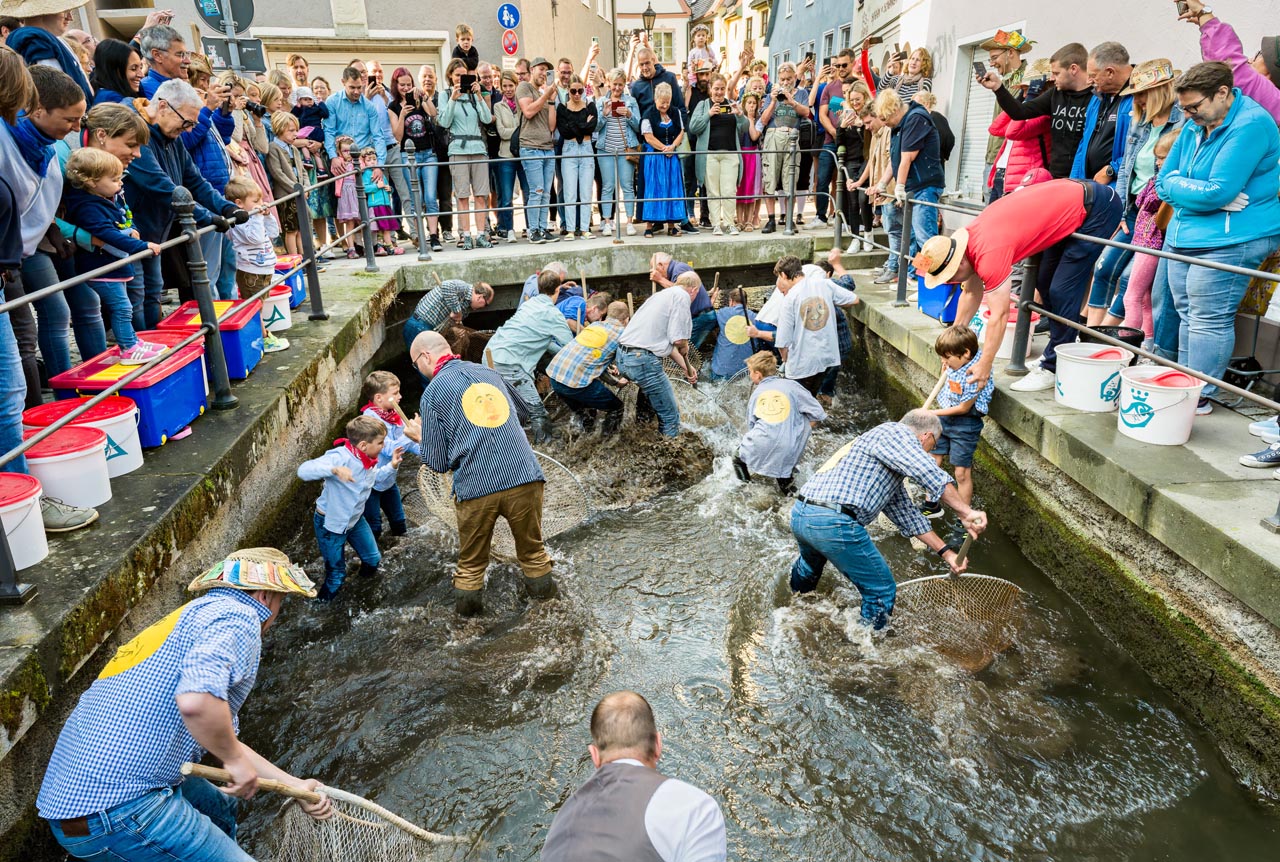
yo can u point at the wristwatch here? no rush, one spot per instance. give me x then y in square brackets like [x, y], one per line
[1111, 172]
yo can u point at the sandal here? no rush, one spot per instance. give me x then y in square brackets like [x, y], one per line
[380, 250]
[395, 250]
[673, 231]
[352, 254]
[648, 233]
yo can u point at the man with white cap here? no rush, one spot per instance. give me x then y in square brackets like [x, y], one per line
[1035, 218]
[114, 786]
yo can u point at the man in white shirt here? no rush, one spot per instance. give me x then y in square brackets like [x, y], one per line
[661, 328]
[807, 336]
[627, 809]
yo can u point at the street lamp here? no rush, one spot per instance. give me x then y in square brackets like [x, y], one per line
[649, 18]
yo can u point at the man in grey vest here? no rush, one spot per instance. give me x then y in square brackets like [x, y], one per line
[628, 810]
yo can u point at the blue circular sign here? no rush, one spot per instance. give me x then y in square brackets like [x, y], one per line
[509, 16]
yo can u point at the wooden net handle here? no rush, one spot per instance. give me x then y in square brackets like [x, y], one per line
[269, 784]
[963, 553]
[937, 387]
[436, 276]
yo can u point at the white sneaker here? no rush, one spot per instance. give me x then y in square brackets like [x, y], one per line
[606, 229]
[1037, 380]
[1266, 426]
[511, 236]
[854, 247]
[867, 244]
[631, 230]
[717, 231]
[733, 230]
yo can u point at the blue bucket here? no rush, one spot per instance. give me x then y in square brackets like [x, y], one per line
[939, 302]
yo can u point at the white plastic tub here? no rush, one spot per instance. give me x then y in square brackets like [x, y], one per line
[71, 465]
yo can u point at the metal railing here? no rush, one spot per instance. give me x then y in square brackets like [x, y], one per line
[1027, 306]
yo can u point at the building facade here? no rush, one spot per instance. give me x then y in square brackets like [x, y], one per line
[798, 27]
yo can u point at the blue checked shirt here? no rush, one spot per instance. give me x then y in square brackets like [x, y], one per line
[586, 357]
[867, 473]
[449, 297]
[958, 390]
[484, 459]
[342, 503]
[125, 736]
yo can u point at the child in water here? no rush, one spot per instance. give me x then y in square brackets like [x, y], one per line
[733, 344]
[961, 407]
[780, 417]
[381, 396]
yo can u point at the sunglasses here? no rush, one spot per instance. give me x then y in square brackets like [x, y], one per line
[576, 91]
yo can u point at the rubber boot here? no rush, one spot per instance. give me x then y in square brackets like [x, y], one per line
[368, 571]
[740, 469]
[399, 528]
[468, 603]
[612, 422]
[540, 430]
[787, 486]
[324, 594]
[542, 588]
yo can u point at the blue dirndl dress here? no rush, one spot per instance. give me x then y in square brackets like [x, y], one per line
[663, 173]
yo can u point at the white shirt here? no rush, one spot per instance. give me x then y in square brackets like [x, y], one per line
[807, 325]
[252, 242]
[771, 311]
[684, 823]
[663, 320]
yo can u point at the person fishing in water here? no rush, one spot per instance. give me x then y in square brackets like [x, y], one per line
[780, 417]
[114, 789]
[847, 493]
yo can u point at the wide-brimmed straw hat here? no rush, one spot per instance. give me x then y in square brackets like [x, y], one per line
[36, 8]
[1150, 74]
[940, 256]
[704, 65]
[1008, 39]
[251, 569]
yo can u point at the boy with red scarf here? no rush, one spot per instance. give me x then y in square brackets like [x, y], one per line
[381, 397]
[349, 472]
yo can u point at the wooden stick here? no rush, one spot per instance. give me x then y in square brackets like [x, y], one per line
[653, 288]
[400, 413]
[436, 276]
[631, 306]
[582, 276]
[937, 387]
[488, 357]
[209, 773]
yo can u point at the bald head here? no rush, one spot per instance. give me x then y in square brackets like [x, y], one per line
[622, 725]
[427, 349]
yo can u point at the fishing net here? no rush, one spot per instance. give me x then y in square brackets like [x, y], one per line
[359, 831]
[968, 618]
[734, 393]
[564, 504]
[674, 371]
[700, 408]
[758, 295]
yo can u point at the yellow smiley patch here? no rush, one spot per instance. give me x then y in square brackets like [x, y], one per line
[142, 647]
[736, 330]
[485, 406]
[773, 407]
[836, 458]
[594, 338]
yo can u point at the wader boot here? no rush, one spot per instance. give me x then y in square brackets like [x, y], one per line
[540, 430]
[368, 571]
[612, 422]
[541, 588]
[468, 603]
[740, 469]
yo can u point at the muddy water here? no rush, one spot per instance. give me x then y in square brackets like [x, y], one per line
[819, 741]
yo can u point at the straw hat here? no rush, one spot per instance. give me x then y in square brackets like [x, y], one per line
[251, 569]
[701, 66]
[1150, 74]
[1008, 39]
[940, 257]
[36, 8]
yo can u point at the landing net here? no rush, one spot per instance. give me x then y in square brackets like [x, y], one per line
[674, 371]
[359, 831]
[968, 618]
[698, 406]
[564, 504]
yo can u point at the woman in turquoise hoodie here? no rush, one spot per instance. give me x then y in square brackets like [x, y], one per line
[1222, 178]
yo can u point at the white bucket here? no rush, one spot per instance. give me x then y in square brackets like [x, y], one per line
[275, 309]
[117, 416]
[71, 465]
[1088, 376]
[1155, 413]
[983, 316]
[23, 523]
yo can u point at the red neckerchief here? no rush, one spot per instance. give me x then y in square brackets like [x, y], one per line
[442, 360]
[391, 417]
[365, 460]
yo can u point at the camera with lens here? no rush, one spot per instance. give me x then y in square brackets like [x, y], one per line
[257, 109]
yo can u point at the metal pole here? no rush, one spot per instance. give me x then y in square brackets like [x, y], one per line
[410, 152]
[791, 185]
[1272, 524]
[366, 226]
[1022, 329]
[904, 245]
[233, 44]
[185, 207]
[840, 193]
[617, 199]
[11, 591]
[310, 267]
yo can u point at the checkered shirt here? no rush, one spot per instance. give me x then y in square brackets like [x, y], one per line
[125, 736]
[958, 389]
[867, 475]
[449, 297]
[578, 363]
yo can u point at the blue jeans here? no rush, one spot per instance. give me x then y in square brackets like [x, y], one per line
[924, 219]
[388, 501]
[87, 325]
[333, 545]
[1166, 321]
[594, 396]
[645, 370]
[114, 296]
[826, 535]
[222, 271]
[540, 170]
[412, 328]
[54, 317]
[505, 172]
[891, 216]
[428, 181]
[703, 323]
[13, 392]
[826, 170]
[1207, 300]
[612, 171]
[152, 291]
[522, 382]
[1108, 275]
[1116, 309]
[194, 821]
[576, 176]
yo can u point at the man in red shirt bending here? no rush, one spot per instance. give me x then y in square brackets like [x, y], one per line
[1035, 218]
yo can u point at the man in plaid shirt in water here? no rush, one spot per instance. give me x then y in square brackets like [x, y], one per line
[850, 491]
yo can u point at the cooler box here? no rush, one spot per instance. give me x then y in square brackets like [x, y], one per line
[939, 302]
[169, 395]
[297, 284]
[170, 337]
[241, 332]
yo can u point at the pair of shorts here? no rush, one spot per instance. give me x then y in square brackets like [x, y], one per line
[959, 440]
[470, 176]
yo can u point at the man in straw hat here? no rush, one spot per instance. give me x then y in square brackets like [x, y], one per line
[1032, 219]
[39, 39]
[114, 787]
[1005, 52]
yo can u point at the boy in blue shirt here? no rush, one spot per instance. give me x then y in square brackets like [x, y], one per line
[733, 345]
[349, 473]
[381, 395]
[961, 408]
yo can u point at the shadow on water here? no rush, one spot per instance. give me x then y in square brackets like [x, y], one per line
[820, 741]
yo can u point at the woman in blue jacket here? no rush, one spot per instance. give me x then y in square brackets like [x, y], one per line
[117, 72]
[1221, 178]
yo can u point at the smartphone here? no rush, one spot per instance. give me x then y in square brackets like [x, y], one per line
[1183, 8]
[614, 108]
[808, 56]
[875, 40]
[726, 109]
[979, 68]
[595, 41]
[467, 82]
[373, 79]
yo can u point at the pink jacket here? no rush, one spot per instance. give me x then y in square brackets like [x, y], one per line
[1030, 142]
[1219, 42]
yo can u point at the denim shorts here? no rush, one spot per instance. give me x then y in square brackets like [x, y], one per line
[960, 435]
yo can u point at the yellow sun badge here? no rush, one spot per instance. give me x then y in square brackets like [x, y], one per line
[736, 330]
[773, 407]
[485, 406]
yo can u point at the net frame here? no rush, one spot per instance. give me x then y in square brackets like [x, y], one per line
[969, 617]
[675, 372]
